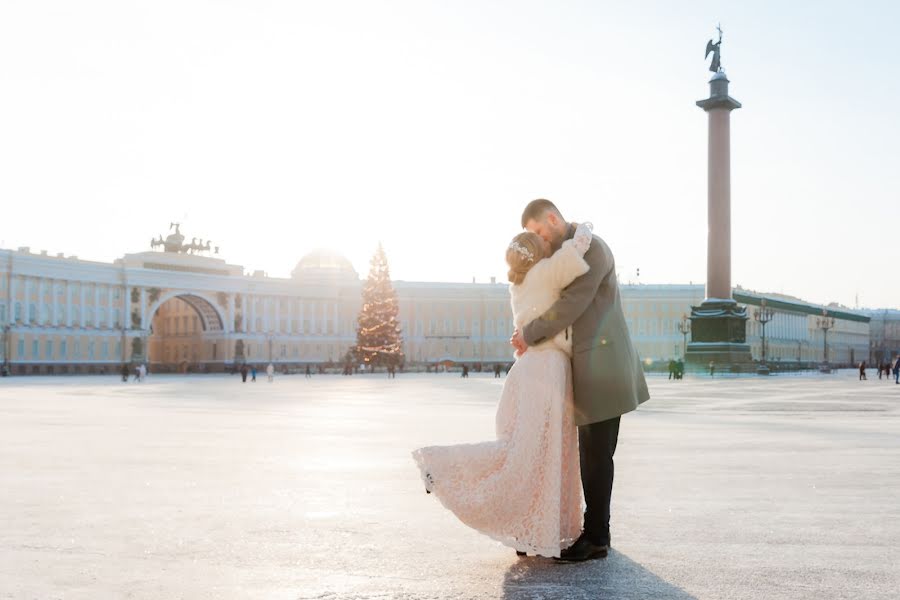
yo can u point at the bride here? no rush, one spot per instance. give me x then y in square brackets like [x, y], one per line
[524, 488]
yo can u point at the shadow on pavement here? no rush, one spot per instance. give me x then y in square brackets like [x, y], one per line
[615, 578]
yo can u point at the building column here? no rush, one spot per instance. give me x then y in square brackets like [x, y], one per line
[126, 308]
[68, 303]
[54, 300]
[143, 308]
[42, 287]
[231, 314]
[82, 307]
[110, 320]
[289, 323]
[26, 293]
[337, 328]
[97, 322]
[300, 316]
[277, 301]
[10, 310]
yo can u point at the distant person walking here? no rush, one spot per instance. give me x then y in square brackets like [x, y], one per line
[244, 371]
[253, 373]
[465, 371]
[308, 373]
[125, 371]
[712, 368]
[497, 371]
[862, 371]
[270, 372]
[897, 370]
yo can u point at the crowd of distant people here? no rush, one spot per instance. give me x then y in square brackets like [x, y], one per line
[885, 368]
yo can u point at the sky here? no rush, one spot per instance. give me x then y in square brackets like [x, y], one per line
[274, 128]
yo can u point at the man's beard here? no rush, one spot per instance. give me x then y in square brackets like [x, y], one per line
[557, 239]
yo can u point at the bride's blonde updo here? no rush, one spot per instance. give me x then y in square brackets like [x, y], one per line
[523, 253]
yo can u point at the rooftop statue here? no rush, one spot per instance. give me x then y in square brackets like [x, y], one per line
[174, 242]
[716, 64]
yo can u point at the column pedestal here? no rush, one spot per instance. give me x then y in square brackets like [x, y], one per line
[718, 335]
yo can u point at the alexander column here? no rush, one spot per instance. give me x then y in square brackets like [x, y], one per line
[718, 325]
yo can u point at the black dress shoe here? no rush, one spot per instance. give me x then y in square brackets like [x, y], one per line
[583, 549]
[520, 553]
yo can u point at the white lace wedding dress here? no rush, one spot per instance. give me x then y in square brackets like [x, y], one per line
[524, 488]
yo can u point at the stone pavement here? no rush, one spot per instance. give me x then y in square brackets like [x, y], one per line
[202, 487]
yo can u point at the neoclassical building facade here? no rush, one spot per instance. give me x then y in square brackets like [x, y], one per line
[181, 308]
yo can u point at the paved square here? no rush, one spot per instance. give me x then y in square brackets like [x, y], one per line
[203, 487]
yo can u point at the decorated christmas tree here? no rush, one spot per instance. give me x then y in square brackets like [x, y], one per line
[378, 336]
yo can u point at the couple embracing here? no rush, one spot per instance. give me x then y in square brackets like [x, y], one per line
[543, 486]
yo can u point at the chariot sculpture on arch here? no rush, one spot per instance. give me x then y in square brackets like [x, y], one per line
[174, 242]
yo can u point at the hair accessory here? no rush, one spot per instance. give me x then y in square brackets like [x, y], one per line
[522, 250]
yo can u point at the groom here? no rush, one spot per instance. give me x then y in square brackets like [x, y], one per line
[606, 372]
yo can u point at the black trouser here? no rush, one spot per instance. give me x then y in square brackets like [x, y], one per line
[597, 445]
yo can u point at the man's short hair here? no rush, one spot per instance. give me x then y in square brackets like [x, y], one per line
[536, 210]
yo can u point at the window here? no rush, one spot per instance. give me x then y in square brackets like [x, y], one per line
[35, 349]
[48, 350]
[105, 349]
[32, 313]
[2, 312]
[62, 349]
[91, 350]
[76, 350]
[20, 347]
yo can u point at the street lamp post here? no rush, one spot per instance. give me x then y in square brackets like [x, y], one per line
[825, 323]
[684, 326]
[763, 315]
